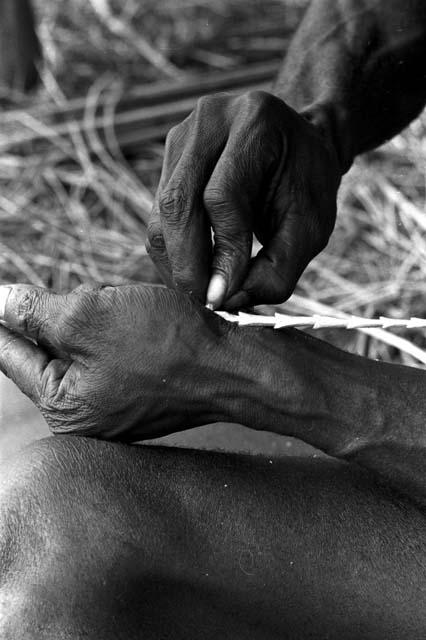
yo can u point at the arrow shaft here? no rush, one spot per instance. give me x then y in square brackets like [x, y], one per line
[282, 321]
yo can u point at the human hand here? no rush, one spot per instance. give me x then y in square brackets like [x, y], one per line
[127, 362]
[242, 165]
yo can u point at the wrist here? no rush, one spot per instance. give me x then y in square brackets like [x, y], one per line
[209, 374]
[292, 384]
[332, 122]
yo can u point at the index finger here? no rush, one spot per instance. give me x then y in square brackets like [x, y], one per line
[156, 242]
[33, 312]
[23, 362]
[156, 246]
[182, 221]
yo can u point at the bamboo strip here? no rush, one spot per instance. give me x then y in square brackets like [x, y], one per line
[132, 126]
[161, 92]
[301, 304]
[124, 30]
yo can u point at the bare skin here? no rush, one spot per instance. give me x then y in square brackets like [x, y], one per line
[109, 363]
[106, 540]
[102, 539]
[270, 163]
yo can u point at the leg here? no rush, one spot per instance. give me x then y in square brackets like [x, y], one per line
[104, 540]
[19, 46]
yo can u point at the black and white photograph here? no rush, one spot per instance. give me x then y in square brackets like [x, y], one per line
[212, 319]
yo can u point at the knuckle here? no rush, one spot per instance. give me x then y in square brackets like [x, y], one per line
[175, 138]
[212, 197]
[211, 108]
[232, 249]
[86, 287]
[258, 101]
[28, 304]
[201, 103]
[178, 131]
[218, 198]
[155, 239]
[172, 201]
[205, 102]
[173, 133]
[31, 315]
[230, 218]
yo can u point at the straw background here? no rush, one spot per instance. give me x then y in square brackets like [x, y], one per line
[73, 211]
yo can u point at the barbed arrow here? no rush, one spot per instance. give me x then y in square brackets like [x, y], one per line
[282, 321]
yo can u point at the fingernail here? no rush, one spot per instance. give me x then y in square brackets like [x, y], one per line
[4, 294]
[216, 290]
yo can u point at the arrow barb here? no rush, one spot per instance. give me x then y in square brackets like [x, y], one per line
[283, 321]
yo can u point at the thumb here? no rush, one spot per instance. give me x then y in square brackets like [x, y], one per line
[229, 214]
[272, 276]
[30, 367]
[22, 362]
[32, 312]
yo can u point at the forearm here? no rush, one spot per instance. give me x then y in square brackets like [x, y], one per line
[357, 68]
[350, 407]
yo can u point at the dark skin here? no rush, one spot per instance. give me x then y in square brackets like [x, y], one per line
[271, 163]
[359, 57]
[207, 545]
[266, 147]
[108, 362]
[102, 540]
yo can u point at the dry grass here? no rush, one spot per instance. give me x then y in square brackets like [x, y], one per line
[75, 209]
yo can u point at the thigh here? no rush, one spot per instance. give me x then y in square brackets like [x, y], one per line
[136, 541]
